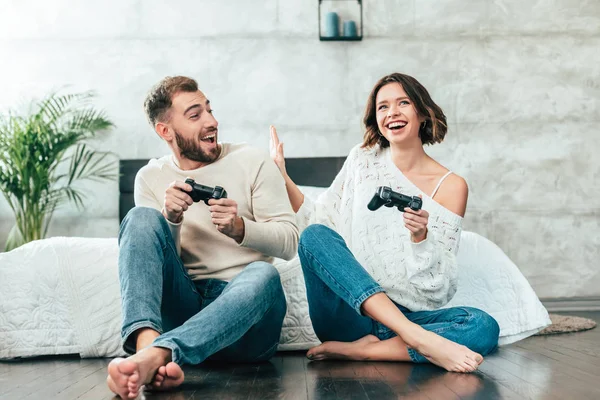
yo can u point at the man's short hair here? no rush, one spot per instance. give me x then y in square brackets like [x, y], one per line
[160, 98]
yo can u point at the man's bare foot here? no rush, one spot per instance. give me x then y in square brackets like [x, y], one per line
[341, 350]
[167, 377]
[127, 376]
[447, 354]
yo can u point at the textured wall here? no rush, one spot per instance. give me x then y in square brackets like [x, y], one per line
[519, 82]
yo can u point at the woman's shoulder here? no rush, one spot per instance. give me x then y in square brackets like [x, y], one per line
[453, 192]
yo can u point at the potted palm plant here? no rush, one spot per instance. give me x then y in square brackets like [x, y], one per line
[43, 154]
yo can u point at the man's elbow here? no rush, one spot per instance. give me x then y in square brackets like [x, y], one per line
[291, 243]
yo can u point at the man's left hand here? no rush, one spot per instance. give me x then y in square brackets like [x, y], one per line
[223, 213]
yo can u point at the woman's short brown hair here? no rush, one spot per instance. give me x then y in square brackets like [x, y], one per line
[434, 129]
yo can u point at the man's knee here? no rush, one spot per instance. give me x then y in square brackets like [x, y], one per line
[143, 218]
[267, 281]
[263, 273]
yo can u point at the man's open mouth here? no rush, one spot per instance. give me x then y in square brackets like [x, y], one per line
[209, 138]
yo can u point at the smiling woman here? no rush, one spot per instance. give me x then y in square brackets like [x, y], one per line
[417, 105]
[376, 281]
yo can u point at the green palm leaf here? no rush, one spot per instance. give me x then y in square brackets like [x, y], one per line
[35, 151]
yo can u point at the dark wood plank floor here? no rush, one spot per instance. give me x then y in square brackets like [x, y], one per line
[549, 367]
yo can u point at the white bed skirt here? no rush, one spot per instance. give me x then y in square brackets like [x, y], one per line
[61, 296]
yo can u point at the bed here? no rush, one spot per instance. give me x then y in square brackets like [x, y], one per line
[61, 295]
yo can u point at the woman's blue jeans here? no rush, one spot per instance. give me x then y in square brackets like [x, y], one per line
[337, 285]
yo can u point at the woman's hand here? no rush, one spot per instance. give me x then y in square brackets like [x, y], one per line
[416, 223]
[276, 149]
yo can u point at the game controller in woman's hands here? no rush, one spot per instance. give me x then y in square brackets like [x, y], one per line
[201, 192]
[385, 196]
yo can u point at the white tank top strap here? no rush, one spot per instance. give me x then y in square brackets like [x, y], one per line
[439, 184]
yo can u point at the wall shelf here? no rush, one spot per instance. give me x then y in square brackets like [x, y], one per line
[341, 37]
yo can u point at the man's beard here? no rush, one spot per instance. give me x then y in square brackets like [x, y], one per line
[192, 150]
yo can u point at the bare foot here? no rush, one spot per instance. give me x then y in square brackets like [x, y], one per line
[127, 376]
[167, 377]
[447, 354]
[341, 350]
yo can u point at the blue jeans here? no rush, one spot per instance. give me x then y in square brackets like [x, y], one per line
[337, 285]
[197, 320]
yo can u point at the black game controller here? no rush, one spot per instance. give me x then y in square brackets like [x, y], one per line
[201, 192]
[385, 196]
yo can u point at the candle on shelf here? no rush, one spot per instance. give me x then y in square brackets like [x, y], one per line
[350, 29]
[332, 25]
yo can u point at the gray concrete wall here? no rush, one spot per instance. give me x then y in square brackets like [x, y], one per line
[519, 82]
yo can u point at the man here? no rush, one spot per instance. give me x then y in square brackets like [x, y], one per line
[196, 281]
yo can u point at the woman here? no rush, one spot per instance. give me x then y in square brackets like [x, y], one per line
[375, 280]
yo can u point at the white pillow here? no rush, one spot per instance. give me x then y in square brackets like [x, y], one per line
[490, 281]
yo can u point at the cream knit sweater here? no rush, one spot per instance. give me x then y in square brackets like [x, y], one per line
[419, 276]
[250, 178]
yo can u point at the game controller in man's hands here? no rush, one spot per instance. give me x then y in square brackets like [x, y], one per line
[201, 192]
[385, 196]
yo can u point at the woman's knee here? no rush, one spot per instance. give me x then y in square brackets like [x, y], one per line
[316, 234]
[487, 331]
[316, 242]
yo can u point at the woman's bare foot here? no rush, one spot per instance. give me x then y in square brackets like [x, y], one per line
[446, 354]
[341, 350]
[167, 377]
[127, 376]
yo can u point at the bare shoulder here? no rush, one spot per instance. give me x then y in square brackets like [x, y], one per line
[453, 194]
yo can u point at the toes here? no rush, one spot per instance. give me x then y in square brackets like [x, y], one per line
[118, 377]
[173, 370]
[475, 357]
[470, 366]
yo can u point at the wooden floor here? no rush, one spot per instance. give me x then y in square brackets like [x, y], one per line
[550, 367]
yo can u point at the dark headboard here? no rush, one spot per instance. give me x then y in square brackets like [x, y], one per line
[318, 171]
